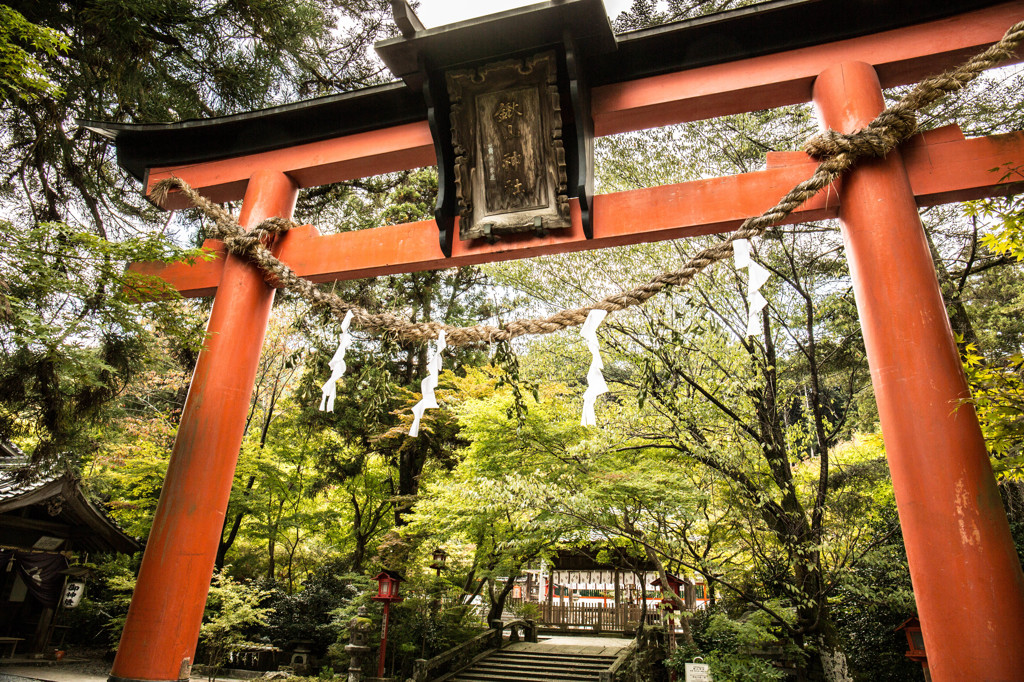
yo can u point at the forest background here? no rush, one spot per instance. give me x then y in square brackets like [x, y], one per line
[755, 464]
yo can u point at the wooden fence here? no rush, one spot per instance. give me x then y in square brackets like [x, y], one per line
[595, 617]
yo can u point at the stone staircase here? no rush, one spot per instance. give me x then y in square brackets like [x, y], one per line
[526, 665]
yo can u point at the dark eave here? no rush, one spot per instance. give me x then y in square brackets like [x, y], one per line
[764, 28]
[148, 145]
[498, 36]
[84, 521]
[752, 31]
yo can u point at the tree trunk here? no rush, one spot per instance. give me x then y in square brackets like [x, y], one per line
[498, 603]
[225, 544]
[684, 621]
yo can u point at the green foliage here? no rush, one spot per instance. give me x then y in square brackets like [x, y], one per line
[996, 371]
[232, 611]
[311, 613]
[728, 645]
[162, 60]
[1007, 214]
[997, 392]
[873, 599]
[419, 629]
[100, 616]
[742, 668]
[21, 75]
[506, 358]
[71, 337]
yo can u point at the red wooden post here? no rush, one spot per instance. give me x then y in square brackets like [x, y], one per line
[159, 638]
[383, 640]
[966, 576]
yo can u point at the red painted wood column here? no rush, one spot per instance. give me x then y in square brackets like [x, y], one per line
[967, 579]
[159, 638]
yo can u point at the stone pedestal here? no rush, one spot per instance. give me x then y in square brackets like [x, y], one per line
[357, 647]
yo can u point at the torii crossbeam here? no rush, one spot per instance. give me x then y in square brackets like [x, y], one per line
[837, 53]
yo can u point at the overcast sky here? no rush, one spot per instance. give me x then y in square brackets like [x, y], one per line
[440, 12]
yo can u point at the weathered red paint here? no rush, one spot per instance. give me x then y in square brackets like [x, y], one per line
[167, 607]
[943, 167]
[902, 56]
[317, 163]
[966, 576]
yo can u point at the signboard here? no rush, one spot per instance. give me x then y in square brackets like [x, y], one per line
[73, 594]
[510, 173]
[698, 672]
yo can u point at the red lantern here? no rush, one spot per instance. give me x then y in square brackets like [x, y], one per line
[915, 641]
[387, 592]
[387, 586]
[674, 583]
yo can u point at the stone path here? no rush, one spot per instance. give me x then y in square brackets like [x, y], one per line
[559, 644]
[91, 672]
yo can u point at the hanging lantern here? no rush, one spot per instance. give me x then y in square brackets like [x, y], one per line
[73, 594]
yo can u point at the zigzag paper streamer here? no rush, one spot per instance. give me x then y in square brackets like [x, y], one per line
[595, 379]
[758, 277]
[338, 367]
[741, 252]
[428, 385]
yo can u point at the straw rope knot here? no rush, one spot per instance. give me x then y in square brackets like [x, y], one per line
[873, 141]
[836, 153]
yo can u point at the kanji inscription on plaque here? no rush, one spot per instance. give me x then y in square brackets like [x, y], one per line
[507, 134]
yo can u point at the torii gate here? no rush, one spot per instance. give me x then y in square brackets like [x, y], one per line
[837, 53]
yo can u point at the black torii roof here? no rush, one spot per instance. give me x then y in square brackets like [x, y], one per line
[760, 29]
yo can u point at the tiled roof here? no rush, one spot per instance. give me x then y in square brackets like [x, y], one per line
[23, 485]
[16, 476]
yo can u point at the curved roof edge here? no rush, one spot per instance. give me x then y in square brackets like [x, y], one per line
[755, 30]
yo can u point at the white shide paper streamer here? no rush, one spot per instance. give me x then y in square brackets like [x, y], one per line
[428, 386]
[338, 367]
[595, 379]
[758, 277]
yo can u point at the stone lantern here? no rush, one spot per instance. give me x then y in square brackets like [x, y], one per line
[357, 648]
[439, 556]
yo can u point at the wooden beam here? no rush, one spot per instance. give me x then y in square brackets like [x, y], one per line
[309, 165]
[900, 56]
[943, 167]
[60, 530]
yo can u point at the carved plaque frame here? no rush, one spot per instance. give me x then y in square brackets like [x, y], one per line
[510, 174]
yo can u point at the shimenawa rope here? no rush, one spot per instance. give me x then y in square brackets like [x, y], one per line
[837, 153]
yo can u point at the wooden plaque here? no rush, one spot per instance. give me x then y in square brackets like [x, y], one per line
[509, 159]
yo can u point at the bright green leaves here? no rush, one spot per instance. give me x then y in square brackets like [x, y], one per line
[21, 75]
[1008, 214]
[997, 391]
[70, 337]
[232, 608]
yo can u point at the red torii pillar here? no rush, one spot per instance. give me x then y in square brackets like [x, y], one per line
[159, 637]
[967, 580]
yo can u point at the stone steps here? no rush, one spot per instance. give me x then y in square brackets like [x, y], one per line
[536, 666]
